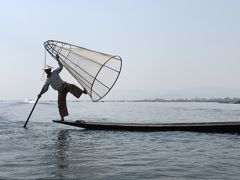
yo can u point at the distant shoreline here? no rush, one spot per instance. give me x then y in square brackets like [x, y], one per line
[216, 100]
[227, 100]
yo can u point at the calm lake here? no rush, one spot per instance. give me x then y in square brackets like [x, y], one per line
[47, 150]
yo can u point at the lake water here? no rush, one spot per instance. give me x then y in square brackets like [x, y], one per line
[47, 150]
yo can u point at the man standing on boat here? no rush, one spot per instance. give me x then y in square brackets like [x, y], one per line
[61, 86]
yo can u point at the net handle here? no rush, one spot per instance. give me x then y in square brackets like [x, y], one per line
[45, 62]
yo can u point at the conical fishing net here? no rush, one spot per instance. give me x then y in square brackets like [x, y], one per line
[95, 71]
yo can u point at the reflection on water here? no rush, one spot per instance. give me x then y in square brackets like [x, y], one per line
[62, 145]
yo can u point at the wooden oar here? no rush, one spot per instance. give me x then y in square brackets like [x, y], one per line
[32, 110]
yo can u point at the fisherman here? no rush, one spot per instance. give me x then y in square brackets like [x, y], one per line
[61, 86]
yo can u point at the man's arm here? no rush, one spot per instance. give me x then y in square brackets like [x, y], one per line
[45, 89]
[59, 69]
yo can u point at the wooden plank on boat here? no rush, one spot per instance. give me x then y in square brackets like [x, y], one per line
[214, 127]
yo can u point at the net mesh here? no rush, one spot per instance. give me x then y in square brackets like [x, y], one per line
[97, 72]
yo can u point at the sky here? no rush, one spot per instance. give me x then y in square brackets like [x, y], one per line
[170, 48]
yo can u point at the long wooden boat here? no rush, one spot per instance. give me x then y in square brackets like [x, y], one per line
[212, 127]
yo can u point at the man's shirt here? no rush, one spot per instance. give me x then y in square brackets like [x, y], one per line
[54, 79]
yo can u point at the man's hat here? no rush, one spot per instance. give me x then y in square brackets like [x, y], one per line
[47, 67]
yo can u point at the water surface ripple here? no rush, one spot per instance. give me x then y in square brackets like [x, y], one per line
[46, 150]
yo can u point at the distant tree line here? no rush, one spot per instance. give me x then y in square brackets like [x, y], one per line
[234, 100]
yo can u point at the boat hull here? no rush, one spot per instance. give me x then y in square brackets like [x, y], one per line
[212, 127]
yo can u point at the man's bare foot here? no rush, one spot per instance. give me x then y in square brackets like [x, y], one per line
[84, 91]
